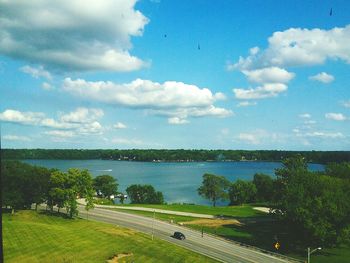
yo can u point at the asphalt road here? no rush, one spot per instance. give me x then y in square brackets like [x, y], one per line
[210, 246]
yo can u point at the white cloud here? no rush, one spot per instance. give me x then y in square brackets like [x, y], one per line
[38, 72]
[27, 118]
[346, 104]
[322, 77]
[78, 35]
[141, 93]
[177, 121]
[261, 92]
[119, 125]
[60, 133]
[335, 116]
[246, 104]
[269, 75]
[260, 137]
[175, 99]
[308, 122]
[47, 86]
[127, 141]
[300, 47]
[82, 115]
[16, 138]
[305, 116]
[332, 135]
[82, 120]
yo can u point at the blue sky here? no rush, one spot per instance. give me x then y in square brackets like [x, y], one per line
[175, 74]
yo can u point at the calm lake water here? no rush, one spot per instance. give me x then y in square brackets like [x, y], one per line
[177, 181]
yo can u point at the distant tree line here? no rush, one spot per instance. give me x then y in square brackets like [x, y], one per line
[178, 155]
[314, 205]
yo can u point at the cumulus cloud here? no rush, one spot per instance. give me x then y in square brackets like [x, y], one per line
[16, 138]
[322, 77]
[292, 47]
[60, 133]
[82, 115]
[305, 116]
[261, 92]
[136, 142]
[81, 121]
[47, 86]
[72, 35]
[119, 125]
[320, 134]
[246, 104]
[177, 121]
[300, 47]
[37, 73]
[260, 136]
[269, 75]
[171, 98]
[335, 116]
[346, 104]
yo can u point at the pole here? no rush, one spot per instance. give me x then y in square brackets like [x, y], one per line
[308, 255]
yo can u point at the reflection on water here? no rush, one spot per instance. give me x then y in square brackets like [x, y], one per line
[178, 181]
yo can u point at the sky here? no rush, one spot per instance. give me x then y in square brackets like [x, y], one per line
[175, 74]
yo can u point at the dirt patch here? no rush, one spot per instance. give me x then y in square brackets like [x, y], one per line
[213, 222]
[119, 258]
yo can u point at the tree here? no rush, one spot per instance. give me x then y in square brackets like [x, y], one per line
[65, 188]
[214, 188]
[340, 170]
[242, 192]
[144, 194]
[106, 185]
[264, 187]
[315, 205]
[23, 184]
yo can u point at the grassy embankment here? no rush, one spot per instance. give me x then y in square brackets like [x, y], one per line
[37, 237]
[253, 228]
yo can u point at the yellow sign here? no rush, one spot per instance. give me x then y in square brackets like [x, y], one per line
[277, 245]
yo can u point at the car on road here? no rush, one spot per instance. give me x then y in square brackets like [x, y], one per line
[179, 235]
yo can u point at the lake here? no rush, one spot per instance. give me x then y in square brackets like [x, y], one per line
[178, 181]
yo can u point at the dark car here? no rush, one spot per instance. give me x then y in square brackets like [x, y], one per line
[179, 235]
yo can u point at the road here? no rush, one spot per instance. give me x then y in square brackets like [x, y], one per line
[210, 246]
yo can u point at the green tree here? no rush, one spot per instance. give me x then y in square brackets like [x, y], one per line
[264, 187]
[242, 192]
[214, 188]
[144, 194]
[106, 185]
[314, 205]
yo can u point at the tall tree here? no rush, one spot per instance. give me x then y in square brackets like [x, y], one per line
[264, 187]
[105, 185]
[144, 194]
[214, 188]
[242, 192]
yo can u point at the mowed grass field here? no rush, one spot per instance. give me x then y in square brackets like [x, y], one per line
[29, 236]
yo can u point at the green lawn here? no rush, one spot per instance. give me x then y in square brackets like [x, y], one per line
[235, 211]
[36, 237]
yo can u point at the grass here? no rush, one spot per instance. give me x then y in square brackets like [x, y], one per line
[234, 211]
[29, 236]
[259, 232]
